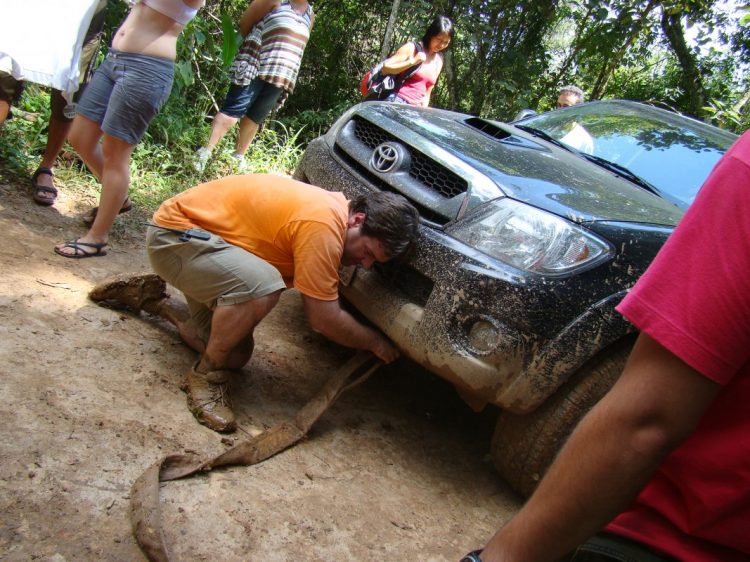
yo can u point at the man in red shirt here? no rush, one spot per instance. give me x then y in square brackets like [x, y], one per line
[662, 462]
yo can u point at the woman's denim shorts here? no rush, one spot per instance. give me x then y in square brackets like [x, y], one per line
[126, 93]
[255, 101]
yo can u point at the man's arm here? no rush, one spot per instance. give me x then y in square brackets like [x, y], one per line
[255, 12]
[329, 319]
[610, 456]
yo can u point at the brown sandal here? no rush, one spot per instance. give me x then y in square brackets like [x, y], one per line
[39, 189]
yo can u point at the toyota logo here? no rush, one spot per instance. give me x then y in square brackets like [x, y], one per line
[386, 157]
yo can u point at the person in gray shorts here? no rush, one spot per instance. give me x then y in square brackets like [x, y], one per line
[126, 92]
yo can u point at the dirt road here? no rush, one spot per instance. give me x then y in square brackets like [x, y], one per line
[397, 470]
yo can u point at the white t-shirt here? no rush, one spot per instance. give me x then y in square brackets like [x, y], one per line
[580, 139]
[49, 54]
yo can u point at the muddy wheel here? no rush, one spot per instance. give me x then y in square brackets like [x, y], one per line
[299, 175]
[524, 446]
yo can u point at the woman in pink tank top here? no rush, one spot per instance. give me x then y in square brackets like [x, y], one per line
[416, 89]
[124, 95]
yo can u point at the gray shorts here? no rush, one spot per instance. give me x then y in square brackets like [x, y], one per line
[209, 274]
[126, 93]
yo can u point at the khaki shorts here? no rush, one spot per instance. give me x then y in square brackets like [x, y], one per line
[210, 273]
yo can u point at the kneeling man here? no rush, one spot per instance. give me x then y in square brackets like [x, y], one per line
[264, 233]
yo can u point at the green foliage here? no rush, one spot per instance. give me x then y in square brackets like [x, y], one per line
[24, 136]
[723, 115]
[506, 56]
[230, 40]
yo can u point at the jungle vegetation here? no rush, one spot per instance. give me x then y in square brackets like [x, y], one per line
[691, 56]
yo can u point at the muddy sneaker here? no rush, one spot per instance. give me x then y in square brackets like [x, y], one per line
[200, 159]
[208, 400]
[134, 292]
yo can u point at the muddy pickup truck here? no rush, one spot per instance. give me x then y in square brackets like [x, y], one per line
[532, 233]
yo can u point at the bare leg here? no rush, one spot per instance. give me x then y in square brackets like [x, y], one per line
[220, 127]
[56, 135]
[84, 138]
[177, 314]
[231, 341]
[115, 180]
[248, 129]
[4, 110]
[231, 325]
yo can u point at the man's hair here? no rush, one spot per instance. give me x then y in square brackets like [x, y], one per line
[389, 218]
[575, 90]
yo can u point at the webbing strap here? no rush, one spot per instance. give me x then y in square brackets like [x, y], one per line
[145, 513]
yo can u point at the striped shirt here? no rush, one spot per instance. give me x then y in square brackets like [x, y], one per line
[273, 49]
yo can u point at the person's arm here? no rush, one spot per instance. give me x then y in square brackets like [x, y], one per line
[330, 320]
[406, 57]
[255, 12]
[610, 456]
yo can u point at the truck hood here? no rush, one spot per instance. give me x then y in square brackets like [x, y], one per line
[526, 168]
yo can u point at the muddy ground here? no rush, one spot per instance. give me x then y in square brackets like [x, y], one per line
[397, 470]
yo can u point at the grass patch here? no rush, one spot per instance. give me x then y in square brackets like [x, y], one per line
[161, 165]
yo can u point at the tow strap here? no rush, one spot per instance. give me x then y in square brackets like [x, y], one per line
[145, 514]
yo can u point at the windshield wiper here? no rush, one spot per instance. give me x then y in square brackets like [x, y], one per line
[620, 171]
[542, 135]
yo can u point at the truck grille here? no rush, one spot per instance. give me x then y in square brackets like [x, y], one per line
[423, 169]
[405, 280]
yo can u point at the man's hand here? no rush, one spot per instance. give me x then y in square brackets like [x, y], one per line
[385, 350]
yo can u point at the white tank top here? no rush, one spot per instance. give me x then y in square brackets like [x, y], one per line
[174, 9]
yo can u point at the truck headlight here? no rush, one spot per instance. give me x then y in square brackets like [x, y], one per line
[531, 239]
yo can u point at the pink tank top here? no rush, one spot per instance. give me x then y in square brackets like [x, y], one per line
[415, 88]
[174, 9]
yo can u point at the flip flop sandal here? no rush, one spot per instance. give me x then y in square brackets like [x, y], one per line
[91, 216]
[39, 189]
[79, 249]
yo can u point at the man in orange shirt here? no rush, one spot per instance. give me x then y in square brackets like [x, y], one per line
[258, 235]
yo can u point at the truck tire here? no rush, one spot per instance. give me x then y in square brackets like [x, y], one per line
[524, 445]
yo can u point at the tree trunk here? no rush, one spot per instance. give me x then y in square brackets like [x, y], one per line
[691, 79]
[576, 47]
[385, 48]
[609, 68]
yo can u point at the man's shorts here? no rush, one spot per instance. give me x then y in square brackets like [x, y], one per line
[210, 273]
[10, 88]
[126, 93]
[607, 547]
[255, 101]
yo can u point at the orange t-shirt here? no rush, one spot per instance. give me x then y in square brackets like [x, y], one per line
[298, 228]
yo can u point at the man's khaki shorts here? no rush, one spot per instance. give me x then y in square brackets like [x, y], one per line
[210, 273]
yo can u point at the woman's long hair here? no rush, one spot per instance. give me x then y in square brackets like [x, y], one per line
[440, 24]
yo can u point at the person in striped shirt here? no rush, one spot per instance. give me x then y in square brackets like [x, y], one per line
[276, 33]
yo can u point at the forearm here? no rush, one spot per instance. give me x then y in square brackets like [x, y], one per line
[345, 330]
[596, 475]
[656, 403]
[398, 65]
[253, 14]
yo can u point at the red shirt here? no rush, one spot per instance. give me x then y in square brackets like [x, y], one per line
[695, 301]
